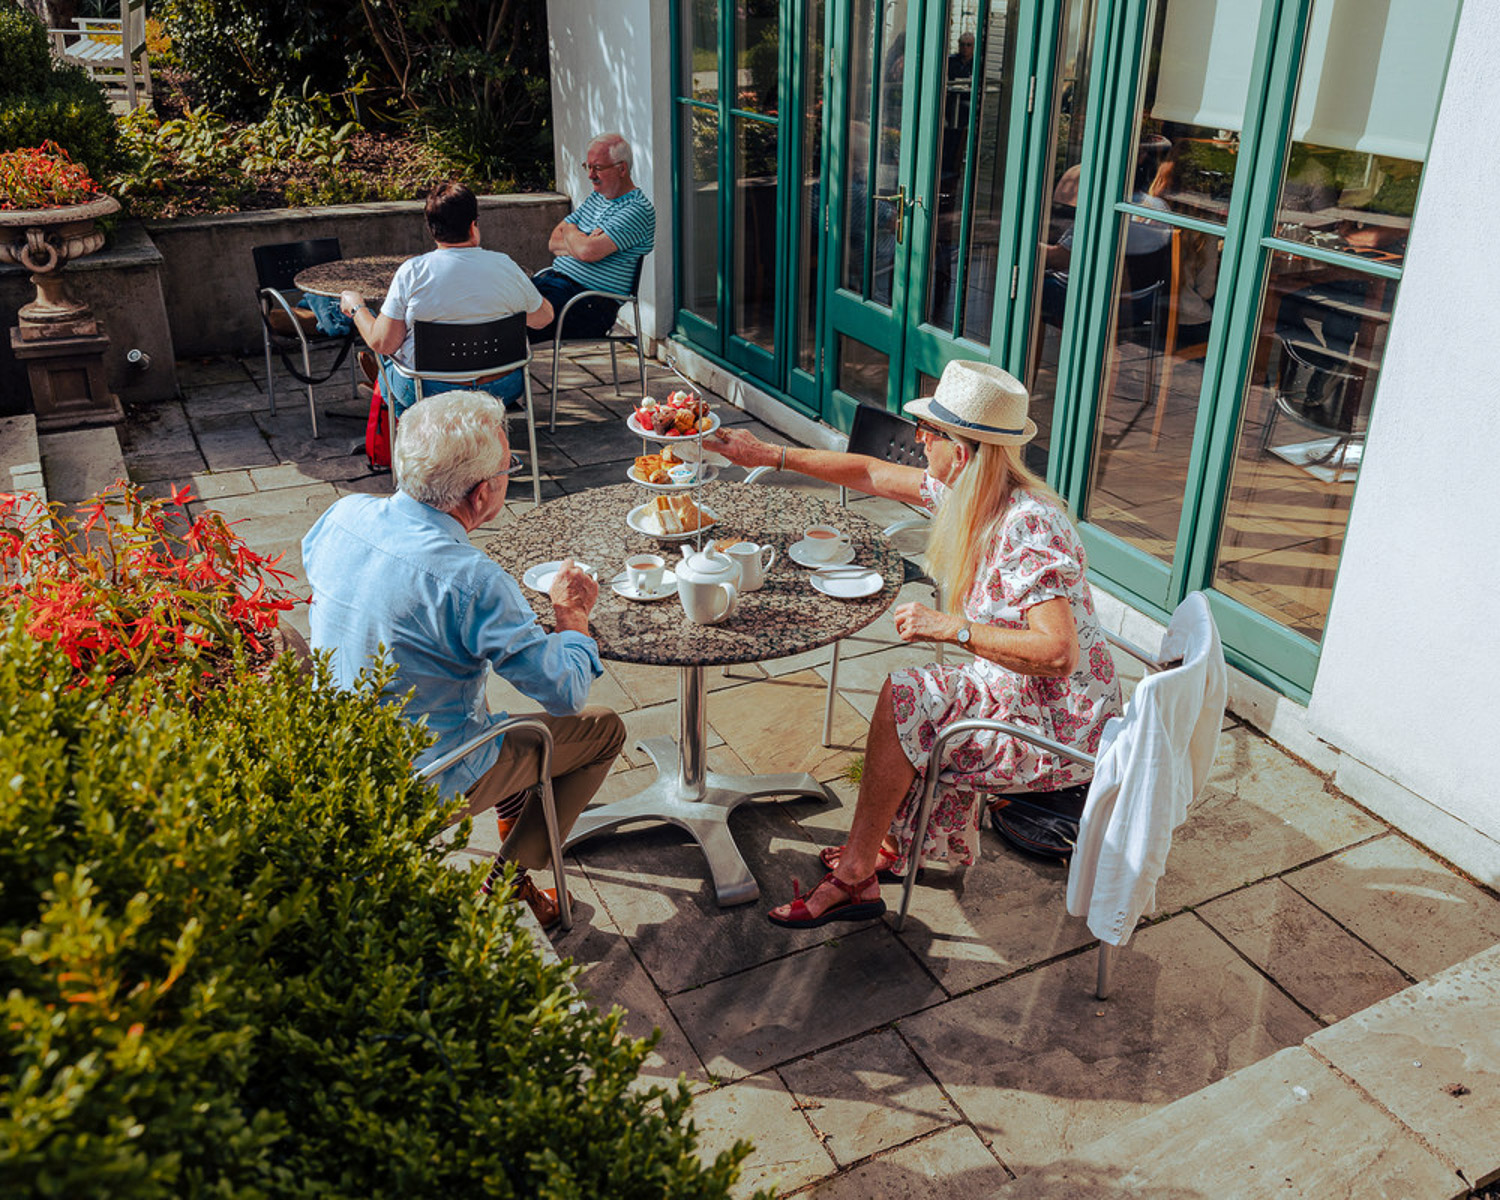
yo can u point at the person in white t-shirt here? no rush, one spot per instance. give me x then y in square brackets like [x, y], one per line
[459, 283]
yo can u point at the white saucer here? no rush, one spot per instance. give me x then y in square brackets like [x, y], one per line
[798, 554]
[620, 585]
[539, 578]
[846, 583]
[640, 430]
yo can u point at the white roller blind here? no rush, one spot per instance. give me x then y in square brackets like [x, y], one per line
[1372, 75]
[1204, 71]
[1371, 78]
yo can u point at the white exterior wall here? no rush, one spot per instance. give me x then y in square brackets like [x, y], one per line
[1407, 683]
[611, 72]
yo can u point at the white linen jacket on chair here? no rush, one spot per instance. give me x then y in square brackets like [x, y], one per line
[1152, 764]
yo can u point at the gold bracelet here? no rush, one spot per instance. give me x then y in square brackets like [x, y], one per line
[782, 467]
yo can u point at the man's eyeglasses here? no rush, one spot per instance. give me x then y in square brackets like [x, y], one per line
[599, 168]
[516, 465]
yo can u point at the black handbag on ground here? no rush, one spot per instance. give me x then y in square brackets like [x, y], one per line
[1040, 824]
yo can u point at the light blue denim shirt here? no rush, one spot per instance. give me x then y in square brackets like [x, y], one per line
[389, 572]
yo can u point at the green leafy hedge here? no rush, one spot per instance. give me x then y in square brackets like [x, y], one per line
[41, 101]
[233, 964]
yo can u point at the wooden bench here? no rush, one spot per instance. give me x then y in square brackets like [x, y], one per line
[112, 50]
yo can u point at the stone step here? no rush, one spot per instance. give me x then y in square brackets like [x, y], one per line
[80, 463]
[21, 457]
[1400, 1099]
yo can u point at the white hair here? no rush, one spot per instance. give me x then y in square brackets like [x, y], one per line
[445, 444]
[619, 148]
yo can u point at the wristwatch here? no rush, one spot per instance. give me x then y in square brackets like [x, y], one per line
[963, 635]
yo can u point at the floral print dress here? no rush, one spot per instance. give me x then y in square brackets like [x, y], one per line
[1035, 556]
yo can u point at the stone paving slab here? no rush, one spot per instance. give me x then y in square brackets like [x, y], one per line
[1042, 1068]
[1261, 813]
[744, 1023]
[654, 884]
[1324, 968]
[1430, 1055]
[1422, 915]
[787, 1154]
[1286, 1126]
[951, 1163]
[80, 463]
[868, 1096]
[776, 725]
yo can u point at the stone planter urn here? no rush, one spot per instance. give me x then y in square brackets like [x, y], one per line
[57, 338]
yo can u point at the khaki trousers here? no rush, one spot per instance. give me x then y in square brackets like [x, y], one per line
[583, 747]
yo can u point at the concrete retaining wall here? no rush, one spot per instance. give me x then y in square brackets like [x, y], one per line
[209, 279]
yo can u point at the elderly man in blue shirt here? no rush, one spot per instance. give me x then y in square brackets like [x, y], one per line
[397, 576]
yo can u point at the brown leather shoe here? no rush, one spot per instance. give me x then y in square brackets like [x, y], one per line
[541, 901]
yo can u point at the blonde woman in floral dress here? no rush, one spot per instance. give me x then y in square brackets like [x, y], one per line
[1001, 545]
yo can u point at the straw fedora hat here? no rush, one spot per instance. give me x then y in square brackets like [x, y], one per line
[978, 402]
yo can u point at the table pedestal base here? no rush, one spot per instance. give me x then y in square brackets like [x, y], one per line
[702, 811]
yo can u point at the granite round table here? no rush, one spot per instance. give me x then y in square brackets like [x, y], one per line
[370, 276]
[784, 617]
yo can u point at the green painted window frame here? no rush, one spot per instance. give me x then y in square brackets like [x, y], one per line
[1253, 643]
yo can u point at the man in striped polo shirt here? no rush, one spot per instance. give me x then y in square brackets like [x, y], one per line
[598, 244]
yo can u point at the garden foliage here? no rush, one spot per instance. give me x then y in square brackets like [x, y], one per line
[232, 959]
[41, 100]
[472, 76]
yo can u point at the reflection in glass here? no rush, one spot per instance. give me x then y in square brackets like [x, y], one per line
[700, 50]
[857, 146]
[863, 371]
[698, 245]
[755, 231]
[1152, 383]
[810, 225]
[1055, 249]
[757, 33]
[976, 111]
[887, 172]
[1317, 358]
[1366, 99]
[1193, 104]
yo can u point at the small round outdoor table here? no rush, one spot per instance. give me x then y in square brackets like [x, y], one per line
[370, 276]
[784, 617]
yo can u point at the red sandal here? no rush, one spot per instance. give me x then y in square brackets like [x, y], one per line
[851, 908]
[885, 863]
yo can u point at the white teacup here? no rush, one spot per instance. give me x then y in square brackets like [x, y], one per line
[823, 543]
[644, 573]
[754, 561]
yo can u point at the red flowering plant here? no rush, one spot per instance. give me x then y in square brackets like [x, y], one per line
[134, 585]
[43, 177]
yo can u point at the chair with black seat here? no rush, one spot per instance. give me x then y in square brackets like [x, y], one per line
[1152, 763]
[443, 352]
[531, 729]
[892, 437]
[614, 335]
[287, 324]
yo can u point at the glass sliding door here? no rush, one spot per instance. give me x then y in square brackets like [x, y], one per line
[1238, 278]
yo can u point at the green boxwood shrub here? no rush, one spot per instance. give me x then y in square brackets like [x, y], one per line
[232, 963]
[41, 100]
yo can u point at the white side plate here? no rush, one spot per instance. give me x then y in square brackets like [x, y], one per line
[846, 583]
[539, 578]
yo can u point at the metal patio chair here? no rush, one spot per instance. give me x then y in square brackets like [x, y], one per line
[448, 353]
[527, 727]
[1138, 796]
[287, 325]
[614, 335]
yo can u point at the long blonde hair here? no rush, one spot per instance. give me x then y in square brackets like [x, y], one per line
[970, 516]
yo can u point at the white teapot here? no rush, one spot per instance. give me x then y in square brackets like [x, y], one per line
[708, 585]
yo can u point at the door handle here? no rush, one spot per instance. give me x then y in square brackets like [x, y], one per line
[899, 197]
